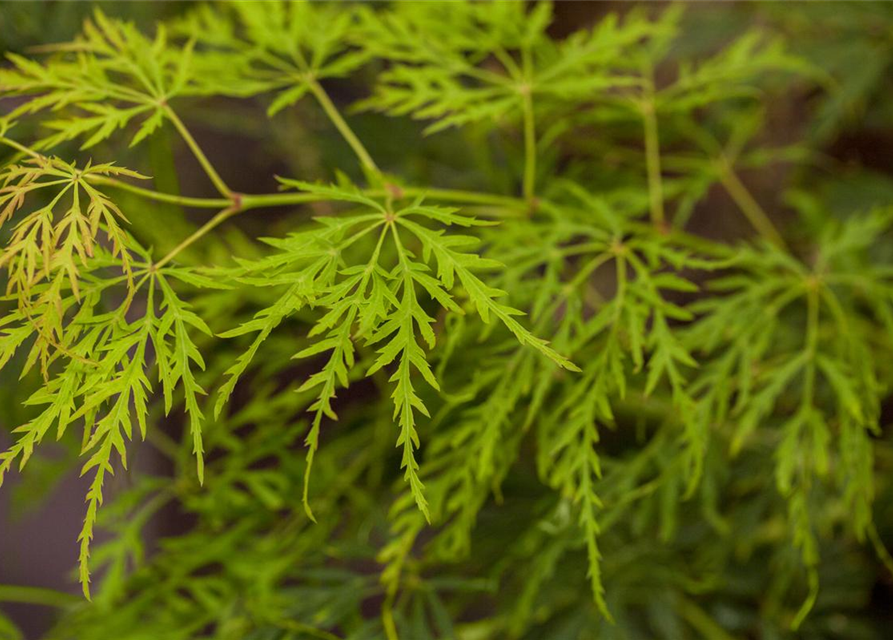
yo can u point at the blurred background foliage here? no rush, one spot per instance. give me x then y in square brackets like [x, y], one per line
[209, 561]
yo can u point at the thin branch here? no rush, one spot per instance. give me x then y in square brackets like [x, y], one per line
[198, 153]
[343, 128]
[199, 233]
[256, 201]
[38, 596]
[186, 201]
[882, 553]
[21, 148]
[652, 150]
[526, 90]
[529, 188]
[751, 209]
[464, 197]
[249, 201]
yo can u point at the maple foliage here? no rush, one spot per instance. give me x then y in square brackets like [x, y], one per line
[443, 374]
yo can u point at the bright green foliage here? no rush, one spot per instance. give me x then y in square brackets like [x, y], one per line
[827, 369]
[533, 391]
[109, 76]
[375, 298]
[49, 242]
[283, 47]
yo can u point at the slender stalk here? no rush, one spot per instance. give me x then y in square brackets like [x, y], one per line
[285, 199]
[621, 289]
[529, 188]
[198, 153]
[186, 201]
[465, 197]
[346, 132]
[517, 205]
[277, 200]
[812, 339]
[199, 233]
[36, 595]
[701, 621]
[255, 201]
[812, 580]
[587, 270]
[652, 159]
[751, 209]
[509, 63]
[882, 553]
[246, 202]
[444, 195]
[526, 90]
[21, 148]
[387, 617]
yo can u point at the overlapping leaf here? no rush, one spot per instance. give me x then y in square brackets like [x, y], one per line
[466, 62]
[286, 47]
[107, 77]
[378, 295]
